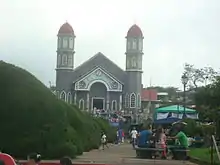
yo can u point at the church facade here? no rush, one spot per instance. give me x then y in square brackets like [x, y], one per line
[99, 83]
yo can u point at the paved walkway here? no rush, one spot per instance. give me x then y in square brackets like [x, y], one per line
[121, 155]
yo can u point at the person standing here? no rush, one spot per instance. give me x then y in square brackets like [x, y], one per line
[104, 141]
[163, 143]
[117, 136]
[134, 136]
[122, 136]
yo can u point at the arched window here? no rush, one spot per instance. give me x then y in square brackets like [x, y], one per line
[64, 59]
[63, 95]
[71, 42]
[140, 45]
[133, 100]
[81, 104]
[126, 101]
[70, 60]
[134, 45]
[65, 42]
[114, 105]
[138, 101]
[69, 98]
[133, 62]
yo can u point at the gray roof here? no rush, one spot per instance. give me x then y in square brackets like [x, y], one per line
[99, 60]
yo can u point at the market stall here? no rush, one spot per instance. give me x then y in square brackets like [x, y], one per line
[173, 113]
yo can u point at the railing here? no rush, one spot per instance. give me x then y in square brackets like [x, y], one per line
[214, 144]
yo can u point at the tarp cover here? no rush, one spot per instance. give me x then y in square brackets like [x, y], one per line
[175, 108]
[168, 120]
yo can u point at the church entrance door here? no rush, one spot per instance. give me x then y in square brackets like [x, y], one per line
[98, 93]
[98, 103]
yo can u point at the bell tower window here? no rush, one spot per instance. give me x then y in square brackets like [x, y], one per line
[65, 42]
[64, 59]
[71, 42]
[134, 44]
[133, 62]
[70, 60]
[140, 45]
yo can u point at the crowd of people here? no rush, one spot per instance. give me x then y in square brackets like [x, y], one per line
[157, 138]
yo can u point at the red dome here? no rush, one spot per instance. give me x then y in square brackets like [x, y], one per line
[66, 28]
[134, 31]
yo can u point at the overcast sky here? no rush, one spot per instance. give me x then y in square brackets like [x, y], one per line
[175, 31]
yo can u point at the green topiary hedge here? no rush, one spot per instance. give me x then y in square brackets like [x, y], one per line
[32, 119]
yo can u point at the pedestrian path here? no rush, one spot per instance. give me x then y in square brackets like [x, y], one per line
[121, 154]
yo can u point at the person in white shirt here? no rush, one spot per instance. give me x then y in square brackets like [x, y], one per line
[104, 141]
[134, 134]
[117, 134]
[190, 141]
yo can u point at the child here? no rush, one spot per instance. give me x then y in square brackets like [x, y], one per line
[104, 141]
[163, 143]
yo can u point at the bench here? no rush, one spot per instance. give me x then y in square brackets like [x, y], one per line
[147, 153]
[181, 154]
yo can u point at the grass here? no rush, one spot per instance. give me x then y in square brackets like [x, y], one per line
[204, 155]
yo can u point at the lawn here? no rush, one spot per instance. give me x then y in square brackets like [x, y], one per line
[203, 154]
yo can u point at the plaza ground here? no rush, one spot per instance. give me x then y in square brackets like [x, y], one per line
[121, 154]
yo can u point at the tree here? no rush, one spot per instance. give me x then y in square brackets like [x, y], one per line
[207, 102]
[198, 76]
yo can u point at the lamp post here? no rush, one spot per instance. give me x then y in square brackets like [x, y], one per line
[178, 102]
[184, 81]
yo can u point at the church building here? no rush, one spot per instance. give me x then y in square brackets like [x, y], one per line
[99, 83]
